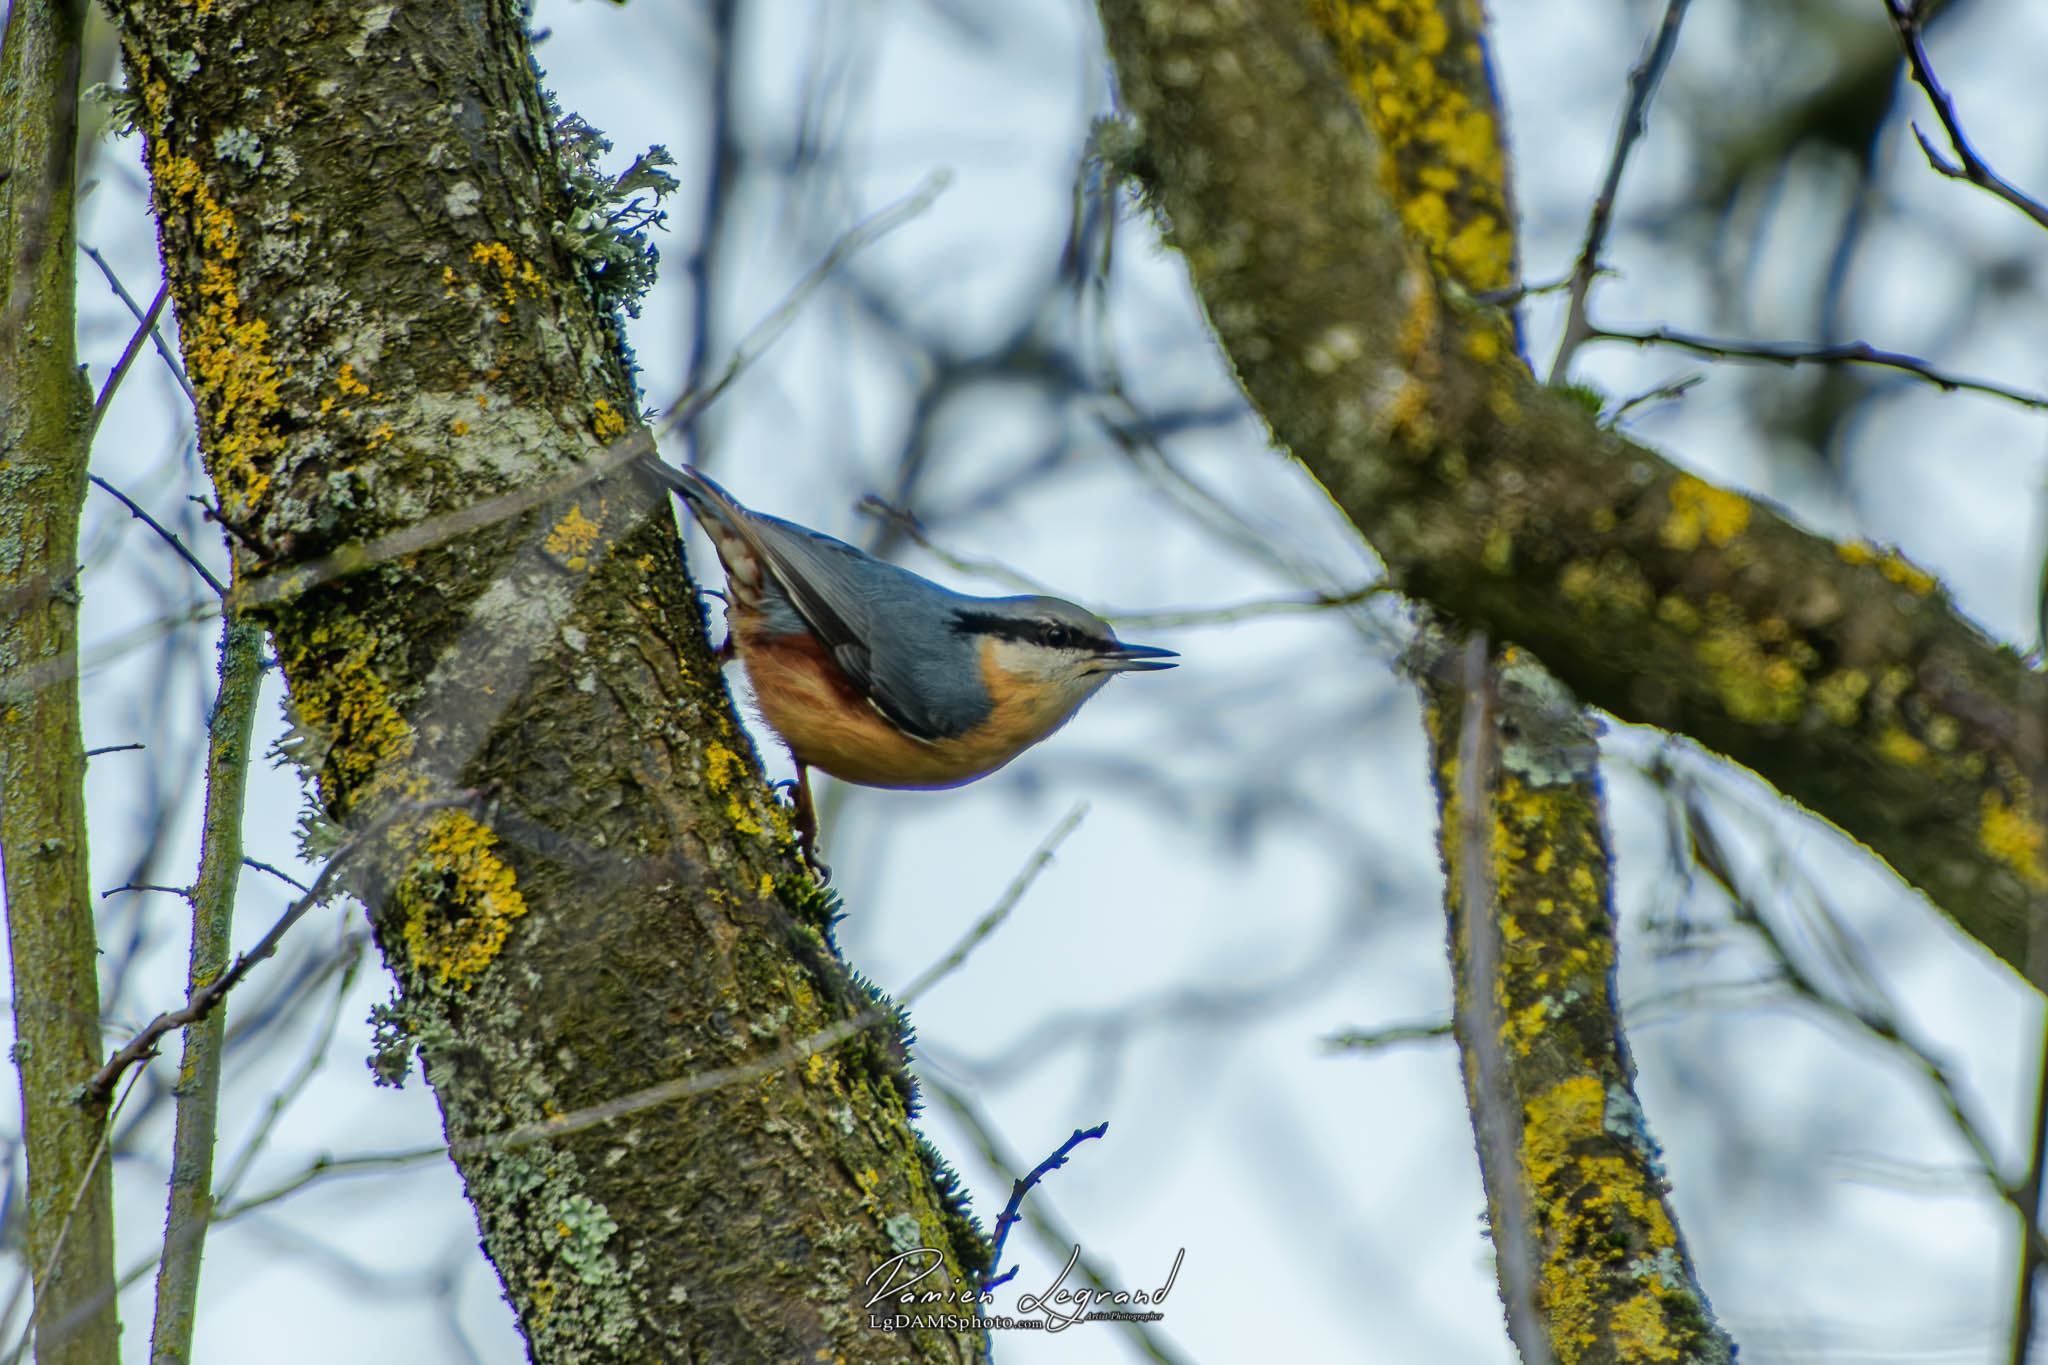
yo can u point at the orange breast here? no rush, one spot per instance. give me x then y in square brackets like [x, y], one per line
[830, 725]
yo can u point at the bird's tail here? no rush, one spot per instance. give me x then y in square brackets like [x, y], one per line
[699, 492]
[729, 525]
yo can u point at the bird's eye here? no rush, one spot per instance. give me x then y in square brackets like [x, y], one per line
[1053, 635]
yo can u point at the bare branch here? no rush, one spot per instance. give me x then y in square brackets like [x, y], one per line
[1906, 23]
[128, 354]
[213, 916]
[205, 999]
[1642, 88]
[114, 749]
[1023, 1186]
[156, 331]
[165, 533]
[1847, 353]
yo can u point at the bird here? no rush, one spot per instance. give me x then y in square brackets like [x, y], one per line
[881, 677]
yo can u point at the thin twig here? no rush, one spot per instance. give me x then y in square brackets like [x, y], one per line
[1012, 1211]
[147, 886]
[114, 749]
[120, 370]
[1052, 1233]
[325, 1167]
[156, 333]
[276, 872]
[2025, 1320]
[1515, 293]
[1642, 88]
[169, 537]
[1906, 23]
[1000, 911]
[288, 1093]
[1254, 609]
[1677, 388]
[1367, 1040]
[1875, 1016]
[203, 1001]
[1848, 353]
[2031, 1259]
[1149, 618]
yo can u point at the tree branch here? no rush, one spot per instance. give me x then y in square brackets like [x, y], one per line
[1905, 17]
[45, 409]
[213, 916]
[1579, 1210]
[1838, 672]
[1642, 88]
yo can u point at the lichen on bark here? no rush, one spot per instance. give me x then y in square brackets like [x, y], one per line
[579, 879]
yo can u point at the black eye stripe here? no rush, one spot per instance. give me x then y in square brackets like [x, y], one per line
[1025, 630]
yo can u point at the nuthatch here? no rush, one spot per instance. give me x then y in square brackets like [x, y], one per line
[884, 678]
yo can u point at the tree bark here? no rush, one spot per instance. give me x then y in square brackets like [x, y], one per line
[391, 312]
[1840, 673]
[1576, 1195]
[45, 407]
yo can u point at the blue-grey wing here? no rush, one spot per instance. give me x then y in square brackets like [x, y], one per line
[851, 600]
[889, 631]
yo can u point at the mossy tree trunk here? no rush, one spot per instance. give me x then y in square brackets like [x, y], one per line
[576, 873]
[45, 410]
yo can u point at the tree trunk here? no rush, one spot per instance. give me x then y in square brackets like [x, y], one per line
[45, 408]
[393, 310]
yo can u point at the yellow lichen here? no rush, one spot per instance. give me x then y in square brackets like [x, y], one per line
[573, 537]
[1443, 161]
[1758, 679]
[226, 354]
[1906, 574]
[1840, 694]
[337, 692]
[514, 272]
[721, 767]
[1700, 510]
[1615, 584]
[1641, 1331]
[1891, 564]
[1595, 1208]
[1498, 555]
[1901, 748]
[1568, 1113]
[606, 422]
[2009, 834]
[459, 900]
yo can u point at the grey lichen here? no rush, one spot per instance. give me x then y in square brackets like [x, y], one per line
[238, 145]
[609, 219]
[585, 1228]
[905, 1232]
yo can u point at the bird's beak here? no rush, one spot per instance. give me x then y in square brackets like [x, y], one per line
[1138, 658]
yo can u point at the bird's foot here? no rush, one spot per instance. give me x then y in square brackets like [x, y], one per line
[804, 815]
